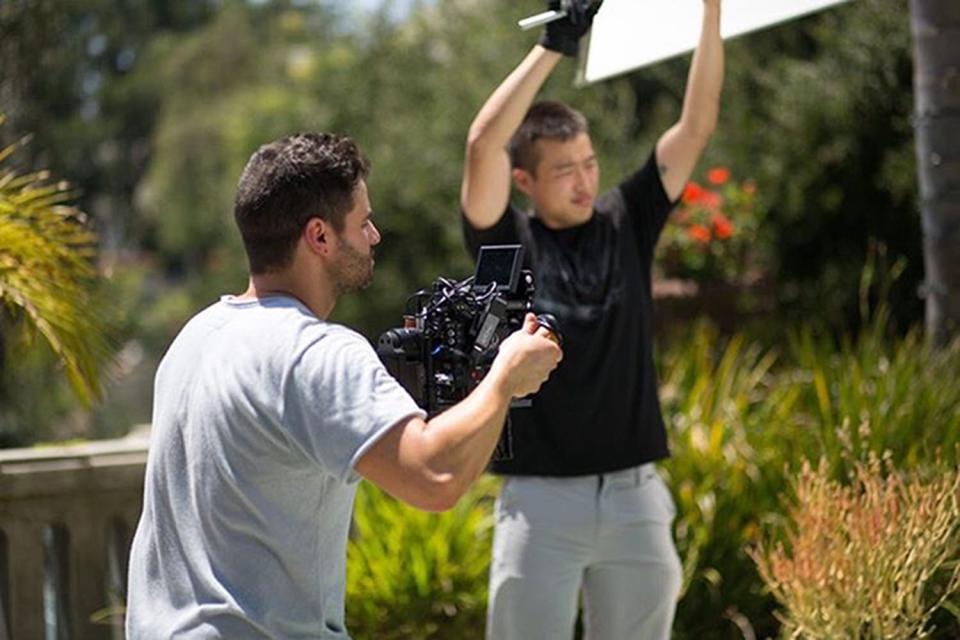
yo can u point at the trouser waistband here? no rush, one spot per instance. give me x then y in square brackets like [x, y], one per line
[634, 476]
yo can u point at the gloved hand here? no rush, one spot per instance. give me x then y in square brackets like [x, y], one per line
[564, 35]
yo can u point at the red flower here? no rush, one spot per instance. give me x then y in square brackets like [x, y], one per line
[722, 227]
[711, 199]
[692, 192]
[718, 175]
[699, 233]
[749, 187]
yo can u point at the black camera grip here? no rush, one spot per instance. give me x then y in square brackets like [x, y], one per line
[549, 322]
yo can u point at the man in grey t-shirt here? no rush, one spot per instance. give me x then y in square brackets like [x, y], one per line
[266, 416]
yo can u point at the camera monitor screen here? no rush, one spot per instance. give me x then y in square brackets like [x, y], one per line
[501, 264]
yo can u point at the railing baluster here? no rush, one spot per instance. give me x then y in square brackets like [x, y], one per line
[88, 497]
[26, 579]
[88, 562]
[4, 587]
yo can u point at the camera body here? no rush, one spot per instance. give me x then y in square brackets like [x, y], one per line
[453, 330]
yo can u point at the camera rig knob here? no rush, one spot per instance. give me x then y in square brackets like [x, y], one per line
[549, 322]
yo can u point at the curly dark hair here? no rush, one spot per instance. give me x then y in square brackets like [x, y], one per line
[288, 182]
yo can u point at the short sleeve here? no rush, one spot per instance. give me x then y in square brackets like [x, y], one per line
[647, 204]
[506, 231]
[340, 400]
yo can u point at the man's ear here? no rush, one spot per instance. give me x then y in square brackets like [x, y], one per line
[316, 235]
[523, 179]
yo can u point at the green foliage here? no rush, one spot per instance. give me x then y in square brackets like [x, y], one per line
[872, 385]
[717, 399]
[47, 275]
[415, 575]
[823, 124]
[743, 422]
[91, 123]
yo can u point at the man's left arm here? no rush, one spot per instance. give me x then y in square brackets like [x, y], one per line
[679, 148]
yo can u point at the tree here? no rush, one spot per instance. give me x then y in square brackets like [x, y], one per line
[824, 127]
[935, 25]
[89, 121]
[47, 274]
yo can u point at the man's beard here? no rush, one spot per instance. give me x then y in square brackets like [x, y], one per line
[353, 270]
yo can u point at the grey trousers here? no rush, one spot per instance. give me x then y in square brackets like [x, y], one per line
[606, 538]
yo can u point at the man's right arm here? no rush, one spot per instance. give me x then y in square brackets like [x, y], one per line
[485, 190]
[430, 465]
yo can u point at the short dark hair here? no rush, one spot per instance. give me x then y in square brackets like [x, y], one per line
[288, 182]
[547, 119]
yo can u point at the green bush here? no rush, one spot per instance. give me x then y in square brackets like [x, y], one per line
[416, 575]
[743, 421]
[715, 400]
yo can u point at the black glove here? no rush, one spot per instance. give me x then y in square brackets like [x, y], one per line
[564, 35]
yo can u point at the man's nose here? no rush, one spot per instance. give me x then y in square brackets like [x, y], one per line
[375, 235]
[581, 179]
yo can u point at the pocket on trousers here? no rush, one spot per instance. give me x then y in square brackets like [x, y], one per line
[648, 501]
[666, 496]
[333, 631]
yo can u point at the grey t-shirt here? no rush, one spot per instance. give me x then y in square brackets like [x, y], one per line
[261, 410]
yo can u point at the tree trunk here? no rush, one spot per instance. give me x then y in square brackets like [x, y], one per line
[936, 53]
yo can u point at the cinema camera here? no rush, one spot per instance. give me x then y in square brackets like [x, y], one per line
[453, 330]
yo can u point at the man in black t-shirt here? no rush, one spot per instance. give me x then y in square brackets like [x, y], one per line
[582, 509]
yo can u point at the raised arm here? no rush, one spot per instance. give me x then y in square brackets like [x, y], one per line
[679, 149]
[485, 189]
[431, 464]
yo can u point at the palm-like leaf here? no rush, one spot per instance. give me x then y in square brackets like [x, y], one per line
[46, 272]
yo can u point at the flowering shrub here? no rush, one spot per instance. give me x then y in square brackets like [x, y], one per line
[863, 560]
[712, 232]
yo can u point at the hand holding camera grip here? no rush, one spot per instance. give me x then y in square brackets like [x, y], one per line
[549, 322]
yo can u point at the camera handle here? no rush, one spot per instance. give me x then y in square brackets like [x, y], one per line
[549, 322]
[504, 449]
[574, 8]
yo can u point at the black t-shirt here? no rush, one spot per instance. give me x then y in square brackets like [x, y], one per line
[599, 410]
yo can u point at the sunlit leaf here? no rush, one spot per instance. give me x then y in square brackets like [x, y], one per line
[46, 273]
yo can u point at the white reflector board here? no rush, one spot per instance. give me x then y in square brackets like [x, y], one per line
[628, 34]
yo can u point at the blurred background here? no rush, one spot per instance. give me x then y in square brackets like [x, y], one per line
[790, 325]
[150, 109]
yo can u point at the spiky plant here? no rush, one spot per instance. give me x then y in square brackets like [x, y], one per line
[47, 275]
[874, 558]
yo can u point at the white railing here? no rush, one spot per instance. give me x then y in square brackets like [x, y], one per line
[67, 514]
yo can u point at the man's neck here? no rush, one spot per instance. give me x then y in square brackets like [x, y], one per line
[313, 296]
[559, 224]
